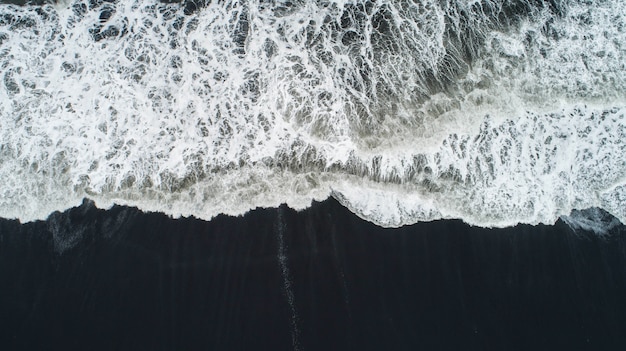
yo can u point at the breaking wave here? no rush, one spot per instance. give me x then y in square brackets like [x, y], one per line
[497, 112]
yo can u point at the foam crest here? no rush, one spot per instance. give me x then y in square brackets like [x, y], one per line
[495, 112]
[502, 175]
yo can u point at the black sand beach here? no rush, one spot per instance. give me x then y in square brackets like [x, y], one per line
[320, 279]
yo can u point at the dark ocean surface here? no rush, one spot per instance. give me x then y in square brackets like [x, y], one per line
[320, 279]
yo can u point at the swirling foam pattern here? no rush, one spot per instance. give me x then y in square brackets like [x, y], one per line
[493, 111]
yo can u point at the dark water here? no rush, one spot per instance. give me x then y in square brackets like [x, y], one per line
[122, 280]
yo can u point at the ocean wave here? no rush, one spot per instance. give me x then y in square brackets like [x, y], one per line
[495, 112]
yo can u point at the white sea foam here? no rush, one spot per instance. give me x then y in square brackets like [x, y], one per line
[493, 112]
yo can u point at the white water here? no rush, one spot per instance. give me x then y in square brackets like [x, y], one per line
[404, 111]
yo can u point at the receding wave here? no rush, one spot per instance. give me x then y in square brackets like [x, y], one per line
[496, 111]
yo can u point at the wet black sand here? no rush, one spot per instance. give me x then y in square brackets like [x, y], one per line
[90, 279]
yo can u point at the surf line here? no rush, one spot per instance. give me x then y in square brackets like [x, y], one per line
[287, 288]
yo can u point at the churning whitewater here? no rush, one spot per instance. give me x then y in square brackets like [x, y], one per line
[493, 111]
